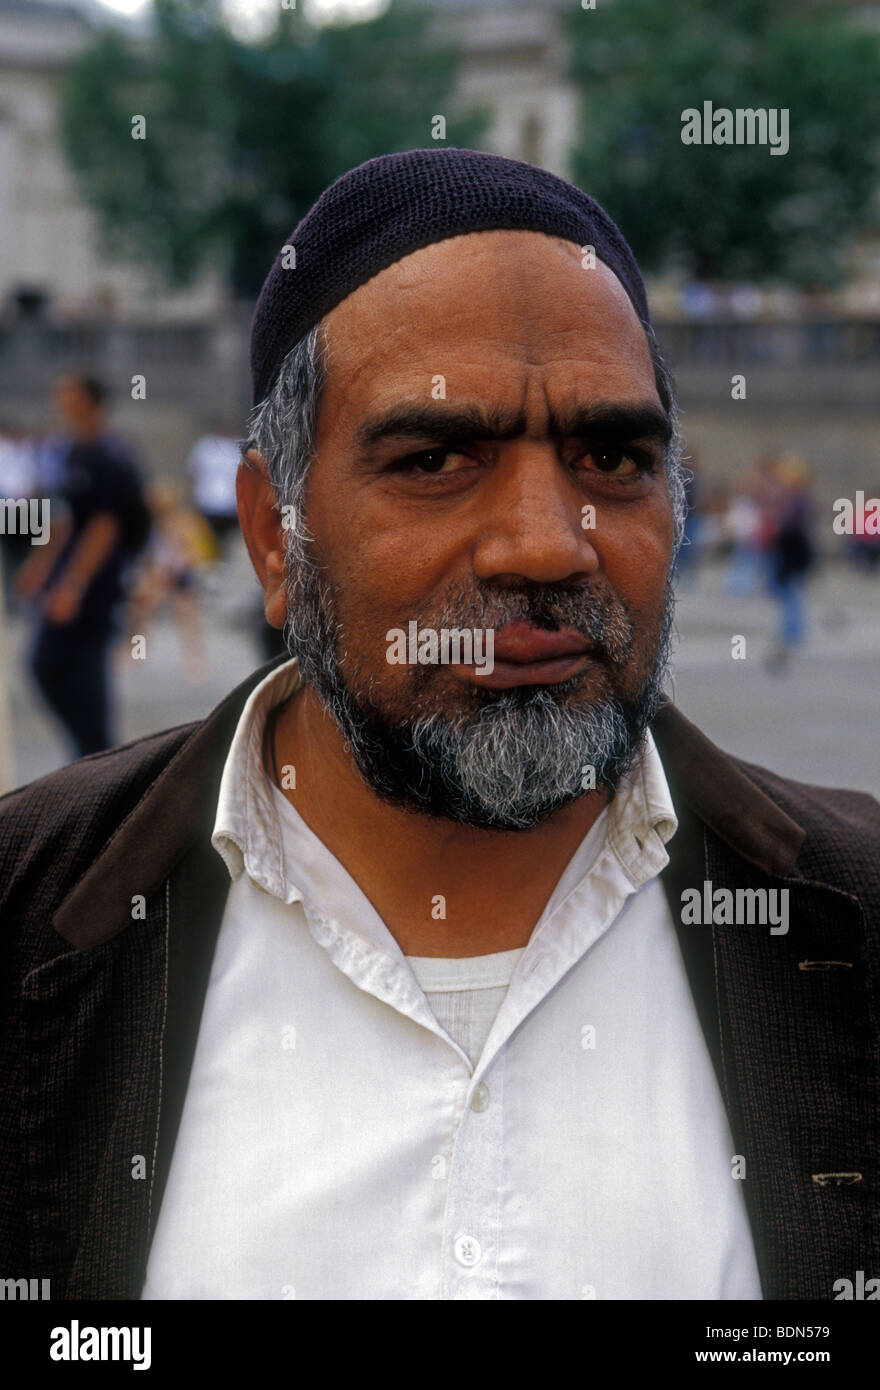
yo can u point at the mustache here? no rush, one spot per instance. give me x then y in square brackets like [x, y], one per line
[597, 616]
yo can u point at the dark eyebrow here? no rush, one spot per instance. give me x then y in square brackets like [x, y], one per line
[609, 422]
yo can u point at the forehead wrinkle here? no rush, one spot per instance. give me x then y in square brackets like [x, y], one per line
[613, 345]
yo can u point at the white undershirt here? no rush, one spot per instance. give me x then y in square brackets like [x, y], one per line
[465, 994]
[543, 1124]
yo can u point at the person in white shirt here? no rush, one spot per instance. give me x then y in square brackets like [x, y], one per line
[448, 1048]
[212, 465]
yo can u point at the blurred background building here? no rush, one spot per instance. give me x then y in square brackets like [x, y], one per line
[810, 362]
[51, 262]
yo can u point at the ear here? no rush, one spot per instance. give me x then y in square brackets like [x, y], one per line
[263, 533]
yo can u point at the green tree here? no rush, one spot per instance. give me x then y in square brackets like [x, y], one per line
[728, 211]
[242, 137]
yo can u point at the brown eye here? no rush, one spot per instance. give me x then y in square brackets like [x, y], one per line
[626, 464]
[609, 460]
[429, 462]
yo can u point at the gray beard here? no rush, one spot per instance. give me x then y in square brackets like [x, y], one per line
[515, 756]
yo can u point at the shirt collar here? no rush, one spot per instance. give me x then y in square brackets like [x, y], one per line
[248, 834]
[633, 829]
[247, 831]
[642, 817]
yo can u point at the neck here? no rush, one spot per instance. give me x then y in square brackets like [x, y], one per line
[442, 888]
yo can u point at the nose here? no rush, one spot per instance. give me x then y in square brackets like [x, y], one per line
[531, 524]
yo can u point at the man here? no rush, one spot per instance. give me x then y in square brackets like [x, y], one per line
[389, 980]
[78, 578]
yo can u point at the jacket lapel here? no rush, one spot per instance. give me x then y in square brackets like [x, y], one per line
[109, 1027]
[786, 1018]
[93, 1021]
[197, 893]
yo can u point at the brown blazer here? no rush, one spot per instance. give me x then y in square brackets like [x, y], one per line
[100, 1008]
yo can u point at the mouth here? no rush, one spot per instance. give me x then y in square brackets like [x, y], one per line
[526, 655]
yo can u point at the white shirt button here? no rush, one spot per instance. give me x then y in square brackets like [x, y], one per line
[467, 1250]
[480, 1098]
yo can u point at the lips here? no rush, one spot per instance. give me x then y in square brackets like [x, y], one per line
[526, 655]
[520, 643]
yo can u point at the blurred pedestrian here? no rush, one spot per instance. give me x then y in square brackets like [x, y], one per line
[169, 574]
[77, 580]
[791, 554]
[212, 465]
[744, 528]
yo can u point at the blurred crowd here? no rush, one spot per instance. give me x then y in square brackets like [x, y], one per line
[763, 527]
[119, 549]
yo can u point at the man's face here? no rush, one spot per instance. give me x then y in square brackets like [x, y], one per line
[483, 395]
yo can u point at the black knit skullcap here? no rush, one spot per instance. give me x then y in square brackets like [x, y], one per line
[389, 206]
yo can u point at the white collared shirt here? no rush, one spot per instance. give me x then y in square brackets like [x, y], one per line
[534, 1124]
